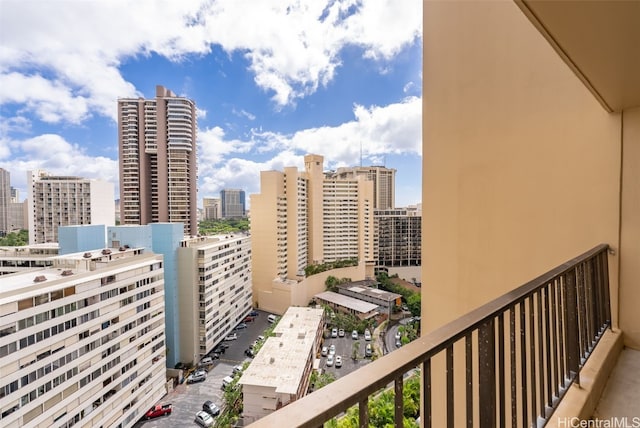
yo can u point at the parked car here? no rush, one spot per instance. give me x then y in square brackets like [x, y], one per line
[260, 338]
[368, 350]
[354, 334]
[334, 332]
[398, 335]
[241, 326]
[226, 381]
[211, 408]
[249, 353]
[254, 313]
[367, 335]
[341, 333]
[248, 319]
[236, 369]
[330, 360]
[204, 419]
[338, 361]
[220, 348]
[398, 344]
[232, 336]
[325, 351]
[206, 361]
[158, 410]
[332, 350]
[197, 376]
[272, 318]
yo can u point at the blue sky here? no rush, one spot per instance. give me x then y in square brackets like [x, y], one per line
[272, 81]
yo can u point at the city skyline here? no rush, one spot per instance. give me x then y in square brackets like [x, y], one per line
[341, 78]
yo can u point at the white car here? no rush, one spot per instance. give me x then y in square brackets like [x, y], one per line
[204, 419]
[334, 332]
[398, 335]
[341, 333]
[367, 335]
[197, 376]
[338, 361]
[330, 360]
[232, 336]
[332, 350]
[325, 351]
[354, 334]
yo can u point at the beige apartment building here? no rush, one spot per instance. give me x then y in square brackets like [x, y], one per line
[280, 373]
[158, 171]
[301, 218]
[83, 340]
[215, 294]
[384, 183]
[56, 201]
[20, 259]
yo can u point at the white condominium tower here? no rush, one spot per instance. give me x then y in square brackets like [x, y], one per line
[56, 201]
[157, 146]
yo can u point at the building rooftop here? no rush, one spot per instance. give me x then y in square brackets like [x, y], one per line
[281, 362]
[365, 290]
[347, 302]
[42, 280]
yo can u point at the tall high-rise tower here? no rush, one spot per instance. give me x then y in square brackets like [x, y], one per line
[157, 145]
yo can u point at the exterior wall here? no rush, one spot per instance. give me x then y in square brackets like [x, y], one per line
[85, 349]
[5, 200]
[215, 292]
[75, 239]
[211, 208]
[19, 259]
[18, 216]
[520, 162]
[629, 292]
[300, 293]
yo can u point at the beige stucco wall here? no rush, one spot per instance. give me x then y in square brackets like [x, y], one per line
[629, 291]
[188, 305]
[290, 293]
[521, 164]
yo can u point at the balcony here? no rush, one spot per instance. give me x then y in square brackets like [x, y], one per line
[510, 362]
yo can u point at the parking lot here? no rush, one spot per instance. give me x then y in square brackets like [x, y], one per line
[344, 348]
[187, 399]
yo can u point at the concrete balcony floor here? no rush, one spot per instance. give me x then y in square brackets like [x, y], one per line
[621, 395]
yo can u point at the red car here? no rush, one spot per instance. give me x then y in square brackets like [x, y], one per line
[158, 410]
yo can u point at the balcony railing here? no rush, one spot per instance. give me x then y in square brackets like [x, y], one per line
[507, 363]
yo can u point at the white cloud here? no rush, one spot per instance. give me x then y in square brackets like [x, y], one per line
[293, 47]
[54, 154]
[378, 131]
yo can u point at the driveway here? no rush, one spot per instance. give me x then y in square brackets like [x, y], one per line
[187, 399]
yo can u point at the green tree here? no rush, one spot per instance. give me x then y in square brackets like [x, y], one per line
[15, 239]
[355, 350]
[332, 283]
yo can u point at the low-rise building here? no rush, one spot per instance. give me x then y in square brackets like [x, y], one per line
[350, 305]
[83, 340]
[280, 373]
[23, 258]
[363, 290]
